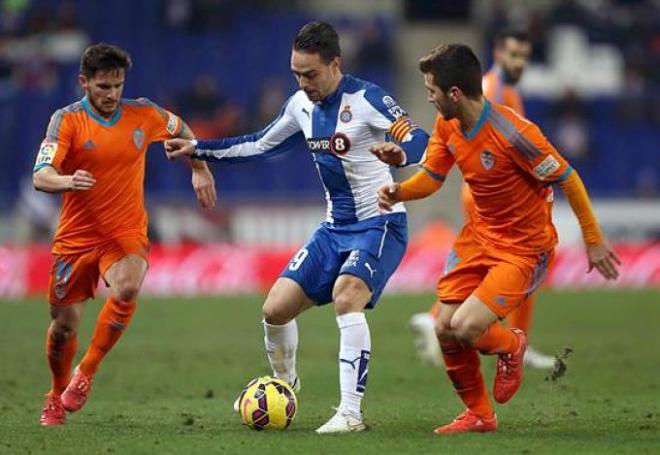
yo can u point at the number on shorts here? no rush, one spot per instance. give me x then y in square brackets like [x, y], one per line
[298, 259]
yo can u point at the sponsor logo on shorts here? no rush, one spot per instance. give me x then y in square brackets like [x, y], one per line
[353, 259]
[371, 270]
[546, 167]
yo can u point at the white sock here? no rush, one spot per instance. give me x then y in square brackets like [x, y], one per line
[281, 344]
[354, 353]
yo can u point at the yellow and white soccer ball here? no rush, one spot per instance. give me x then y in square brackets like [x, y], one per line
[267, 403]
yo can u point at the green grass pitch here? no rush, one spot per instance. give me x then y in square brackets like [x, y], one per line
[168, 386]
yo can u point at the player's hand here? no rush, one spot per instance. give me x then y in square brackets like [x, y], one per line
[81, 181]
[389, 153]
[387, 197]
[603, 258]
[204, 186]
[175, 148]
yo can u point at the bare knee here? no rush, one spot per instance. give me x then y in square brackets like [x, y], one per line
[62, 330]
[126, 289]
[350, 295]
[466, 331]
[443, 331]
[276, 309]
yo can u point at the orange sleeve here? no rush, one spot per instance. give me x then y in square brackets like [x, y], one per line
[55, 147]
[419, 186]
[513, 100]
[163, 124]
[532, 151]
[577, 196]
[438, 160]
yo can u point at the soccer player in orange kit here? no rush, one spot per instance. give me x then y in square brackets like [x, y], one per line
[511, 53]
[501, 256]
[94, 154]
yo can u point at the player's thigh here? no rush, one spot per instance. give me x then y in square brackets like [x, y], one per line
[315, 267]
[124, 265]
[73, 279]
[511, 281]
[285, 300]
[465, 268]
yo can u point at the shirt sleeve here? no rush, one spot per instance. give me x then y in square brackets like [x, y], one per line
[532, 151]
[438, 160]
[163, 124]
[55, 146]
[281, 135]
[395, 121]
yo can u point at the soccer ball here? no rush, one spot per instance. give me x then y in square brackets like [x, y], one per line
[267, 403]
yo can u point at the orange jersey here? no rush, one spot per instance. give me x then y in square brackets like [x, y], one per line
[113, 151]
[508, 164]
[498, 91]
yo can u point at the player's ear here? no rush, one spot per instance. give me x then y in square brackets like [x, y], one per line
[455, 94]
[84, 82]
[335, 63]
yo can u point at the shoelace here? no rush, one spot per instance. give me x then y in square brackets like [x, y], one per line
[83, 384]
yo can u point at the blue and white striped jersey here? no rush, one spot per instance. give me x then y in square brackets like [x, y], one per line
[339, 132]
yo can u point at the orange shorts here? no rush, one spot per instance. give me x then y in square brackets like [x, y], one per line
[500, 279]
[74, 277]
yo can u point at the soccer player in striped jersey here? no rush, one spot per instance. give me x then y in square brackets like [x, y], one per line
[502, 254]
[350, 257]
[94, 154]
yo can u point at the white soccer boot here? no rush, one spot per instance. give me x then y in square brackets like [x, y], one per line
[536, 359]
[295, 386]
[342, 422]
[426, 341]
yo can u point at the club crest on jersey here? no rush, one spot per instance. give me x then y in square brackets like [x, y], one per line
[340, 144]
[346, 114]
[138, 138]
[487, 160]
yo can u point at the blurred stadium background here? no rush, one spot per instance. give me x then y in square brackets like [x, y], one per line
[593, 86]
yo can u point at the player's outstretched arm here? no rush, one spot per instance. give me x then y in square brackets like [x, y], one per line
[419, 186]
[600, 254]
[47, 179]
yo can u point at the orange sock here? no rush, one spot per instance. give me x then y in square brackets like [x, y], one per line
[60, 357]
[521, 317]
[113, 319]
[463, 368]
[497, 339]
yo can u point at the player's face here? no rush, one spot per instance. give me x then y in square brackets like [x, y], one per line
[443, 102]
[315, 77]
[513, 56]
[104, 90]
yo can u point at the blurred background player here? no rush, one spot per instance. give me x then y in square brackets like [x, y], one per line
[511, 54]
[502, 254]
[94, 154]
[350, 257]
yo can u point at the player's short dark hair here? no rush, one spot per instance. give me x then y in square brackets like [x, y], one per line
[454, 65]
[104, 57]
[517, 33]
[318, 38]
